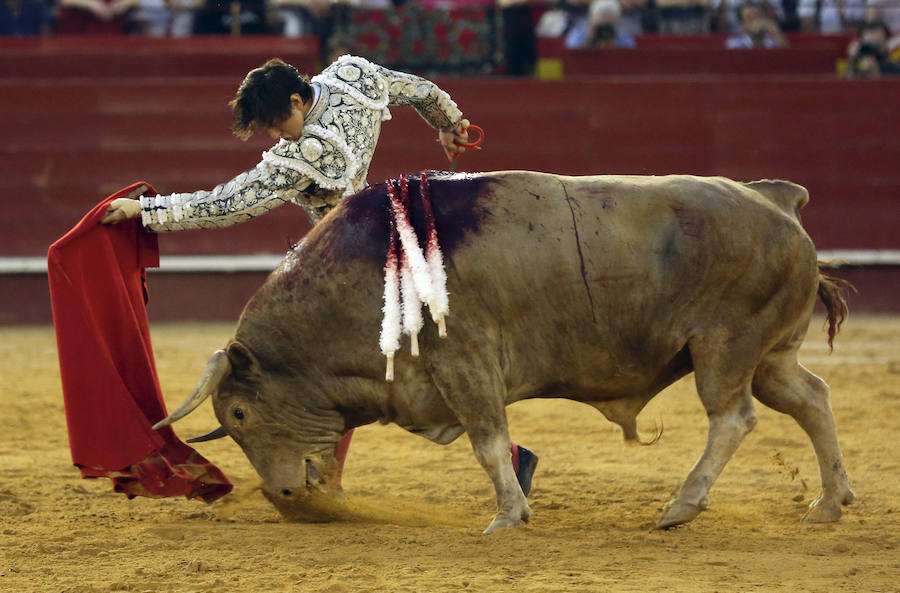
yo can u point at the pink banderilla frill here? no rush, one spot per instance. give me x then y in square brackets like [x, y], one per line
[390, 325]
[412, 304]
[411, 275]
[440, 307]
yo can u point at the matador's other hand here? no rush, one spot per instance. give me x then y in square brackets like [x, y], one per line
[121, 209]
[452, 140]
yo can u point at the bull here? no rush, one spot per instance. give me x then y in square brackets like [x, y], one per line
[598, 289]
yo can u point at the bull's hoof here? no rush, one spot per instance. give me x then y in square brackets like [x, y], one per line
[678, 512]
[827, 509]
[508, 520]
[503, 522]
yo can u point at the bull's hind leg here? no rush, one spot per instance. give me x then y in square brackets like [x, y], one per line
[723, 383]
[784, 385]
[474, 391]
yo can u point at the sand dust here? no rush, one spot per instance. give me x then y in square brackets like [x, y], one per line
[414, 512]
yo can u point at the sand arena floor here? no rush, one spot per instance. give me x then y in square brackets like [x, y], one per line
[416, 510]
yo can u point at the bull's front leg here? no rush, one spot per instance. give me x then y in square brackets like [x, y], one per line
[473, 389]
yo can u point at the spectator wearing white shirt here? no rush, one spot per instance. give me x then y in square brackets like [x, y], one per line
[601, 28]
[725, 13]
[758, 29]
[831, 16]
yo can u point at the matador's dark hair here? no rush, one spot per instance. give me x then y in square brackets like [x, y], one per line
[264, 97]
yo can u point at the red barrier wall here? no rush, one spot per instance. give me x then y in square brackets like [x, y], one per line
[69, 141]
[699, 61]
[116, 57]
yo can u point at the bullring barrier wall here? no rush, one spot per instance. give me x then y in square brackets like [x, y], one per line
[68, 141]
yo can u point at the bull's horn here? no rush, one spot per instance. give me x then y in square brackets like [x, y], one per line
[215, 372]
[210, 436]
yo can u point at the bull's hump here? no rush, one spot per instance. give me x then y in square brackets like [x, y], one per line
[788, 196]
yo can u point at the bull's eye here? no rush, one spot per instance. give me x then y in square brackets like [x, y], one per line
[238, 413]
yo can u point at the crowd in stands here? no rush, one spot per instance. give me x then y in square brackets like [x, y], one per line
[743, 24]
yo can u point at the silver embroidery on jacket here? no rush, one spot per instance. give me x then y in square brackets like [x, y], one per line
[329, 161]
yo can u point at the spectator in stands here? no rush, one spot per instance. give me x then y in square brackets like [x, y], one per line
[758, 29]
[684, 17]
[301, 18]
[24, 17]
[556, 22]
[886, 11]
[183, 15]
[165, 18]
[868, 56]
[788, 17]
[519, 40]
[633, 15]
[601, 29]
[151, 18]
[876, 33]
[94, 16]
[217, 17]
[865, 62]
[830, 16]
[725, 18]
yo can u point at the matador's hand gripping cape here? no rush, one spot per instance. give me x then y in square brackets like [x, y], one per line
[112, 395]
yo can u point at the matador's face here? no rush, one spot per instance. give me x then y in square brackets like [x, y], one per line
[292, 127]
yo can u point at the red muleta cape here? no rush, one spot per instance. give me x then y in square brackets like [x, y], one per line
[99, 294]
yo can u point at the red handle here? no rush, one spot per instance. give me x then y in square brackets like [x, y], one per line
[476, 144]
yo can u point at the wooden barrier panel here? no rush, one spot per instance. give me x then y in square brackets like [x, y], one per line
[221, 297]
[115, 57]
[69, 141]
[840, 139]
[699, 61]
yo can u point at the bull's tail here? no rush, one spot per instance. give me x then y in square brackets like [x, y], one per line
[836, 311]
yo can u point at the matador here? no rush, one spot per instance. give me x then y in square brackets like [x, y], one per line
[326, 160]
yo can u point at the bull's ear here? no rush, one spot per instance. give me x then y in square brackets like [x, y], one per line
[243, 363]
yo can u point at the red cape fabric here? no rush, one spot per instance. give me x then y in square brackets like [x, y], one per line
[99, 293]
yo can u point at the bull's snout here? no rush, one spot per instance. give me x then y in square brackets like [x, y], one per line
[304, 491]
[312, 501]
[291, 502]
[286, 496]
[309, 481]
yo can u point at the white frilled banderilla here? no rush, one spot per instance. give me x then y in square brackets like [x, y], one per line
[411, 277]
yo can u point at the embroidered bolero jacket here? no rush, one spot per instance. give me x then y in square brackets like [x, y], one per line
[329, 161]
